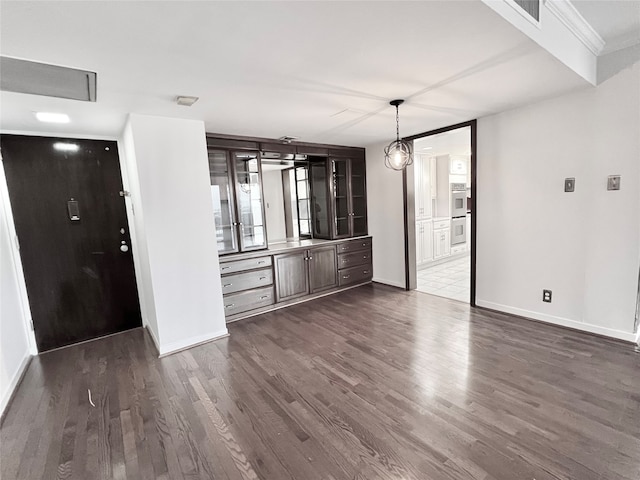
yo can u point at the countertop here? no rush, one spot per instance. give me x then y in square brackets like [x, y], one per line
[283, 247]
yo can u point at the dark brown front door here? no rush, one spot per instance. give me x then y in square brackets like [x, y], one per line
[71, 223]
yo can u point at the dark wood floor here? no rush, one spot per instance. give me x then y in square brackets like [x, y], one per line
[372, 383]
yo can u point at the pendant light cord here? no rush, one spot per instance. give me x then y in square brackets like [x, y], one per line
[397, 125]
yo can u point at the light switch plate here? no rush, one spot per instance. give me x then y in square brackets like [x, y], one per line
[613, 182]
[569, 184]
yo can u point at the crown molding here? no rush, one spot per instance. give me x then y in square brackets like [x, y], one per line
[571, 18]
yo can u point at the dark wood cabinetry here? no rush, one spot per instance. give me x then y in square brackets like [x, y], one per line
[305, 272]
[247, 284]
[236, 193]
[324, 185]
[262, 282]
[354, 262]
[338, 188]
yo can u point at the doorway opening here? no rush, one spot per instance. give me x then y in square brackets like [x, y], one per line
[439, 213]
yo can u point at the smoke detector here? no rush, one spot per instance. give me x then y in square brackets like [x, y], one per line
[287, 139]
[186, 101]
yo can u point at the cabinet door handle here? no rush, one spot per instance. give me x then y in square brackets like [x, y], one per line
[365, 272]
[364, 244]
[225, 268]
[227, 285]
[262, 278]
[261, 262]
[310, 258]
[263, 297]
[230, 305]
[346, 276]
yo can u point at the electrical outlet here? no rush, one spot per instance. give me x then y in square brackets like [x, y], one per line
[569, 184]
[546, 296]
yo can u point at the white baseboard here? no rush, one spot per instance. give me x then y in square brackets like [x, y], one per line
[388, 282]
[13, 383]
[564, 322]
[155, 341]
[175, 347]
[638, 337]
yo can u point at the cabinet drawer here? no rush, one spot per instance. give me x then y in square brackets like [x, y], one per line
[459, 248]
[354, 245]
[441, 224]
[246, 280]
[347, 276]
[242, 265]
[354, 258]
[243, 301]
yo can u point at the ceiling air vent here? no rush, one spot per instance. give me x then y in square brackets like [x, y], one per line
[530, 7]
[23, 76]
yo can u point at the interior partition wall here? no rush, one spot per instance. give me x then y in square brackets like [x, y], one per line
[408, 181]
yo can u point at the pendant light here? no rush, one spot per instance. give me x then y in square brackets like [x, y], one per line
[398, 154]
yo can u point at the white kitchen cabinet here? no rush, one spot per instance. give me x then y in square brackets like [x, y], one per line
[424, 242]
[441, 243]
[422, 187]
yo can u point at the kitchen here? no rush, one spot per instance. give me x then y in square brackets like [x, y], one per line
[443, 209]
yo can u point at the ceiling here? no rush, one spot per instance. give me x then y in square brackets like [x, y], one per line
[320, 71]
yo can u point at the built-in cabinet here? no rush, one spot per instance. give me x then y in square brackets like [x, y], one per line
[354, 261]
[304, 272]
[324, 192]
[247, 284]
[422, 173]
[336, 208]
[261, 283]
[236, 193]
[424, 242]
[338, 195]
[441, 239]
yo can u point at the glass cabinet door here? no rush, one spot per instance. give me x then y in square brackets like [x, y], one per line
[302, 194]
[321, 216]
[222, 198]
[358, 198]
[250, 200]
[341, 197]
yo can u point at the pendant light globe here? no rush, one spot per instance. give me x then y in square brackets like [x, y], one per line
[398, 154]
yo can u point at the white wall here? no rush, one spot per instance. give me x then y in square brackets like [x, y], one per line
[135, 216]
[168, 176]
[274, 205]
[385, 213]
[584, 246]
[14, 343]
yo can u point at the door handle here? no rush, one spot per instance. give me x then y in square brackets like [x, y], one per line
[227, 285]
[124, 247]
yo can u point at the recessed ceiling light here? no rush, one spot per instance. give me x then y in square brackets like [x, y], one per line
[66, 147]
[186, 101]
[52, 117]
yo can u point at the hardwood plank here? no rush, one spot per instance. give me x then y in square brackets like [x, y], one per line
[371, 383]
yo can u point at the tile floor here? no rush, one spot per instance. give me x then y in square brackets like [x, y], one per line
[451, 279]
